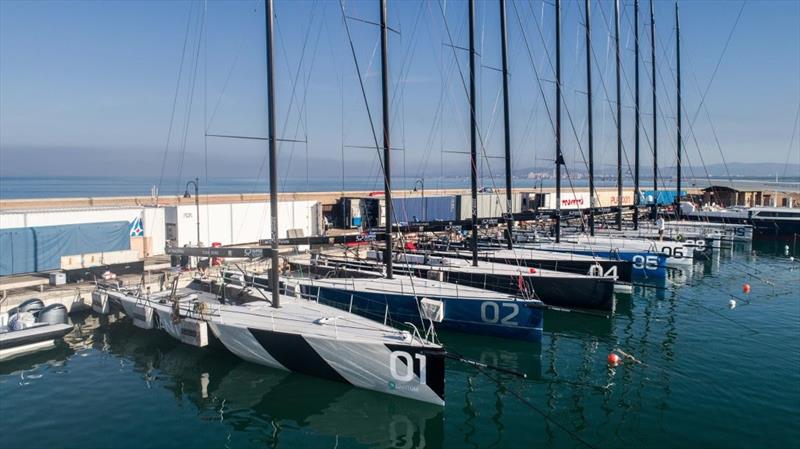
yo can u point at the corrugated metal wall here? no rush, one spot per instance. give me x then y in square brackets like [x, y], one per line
[490, 205]
[434, 208]
[34, 249]
[234, 223]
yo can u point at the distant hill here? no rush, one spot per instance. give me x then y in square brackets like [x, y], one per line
[718, 170]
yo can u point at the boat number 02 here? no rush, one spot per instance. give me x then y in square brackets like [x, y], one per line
[408, 360]
[645, 262]
[490, 313]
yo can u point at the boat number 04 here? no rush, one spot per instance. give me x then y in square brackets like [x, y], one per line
[490, 313]
[597, 271]
[645, 262]
[408, 360]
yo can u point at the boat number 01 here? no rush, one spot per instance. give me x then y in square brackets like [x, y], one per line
[645, 262]
[409, 363]
[490, 313]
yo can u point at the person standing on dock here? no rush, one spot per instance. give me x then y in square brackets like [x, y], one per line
[660, 225]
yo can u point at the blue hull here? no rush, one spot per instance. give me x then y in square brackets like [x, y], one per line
[521, 320]
[644, 264]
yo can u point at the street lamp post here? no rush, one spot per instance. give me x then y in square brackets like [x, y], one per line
[421, 182]
[186, 194]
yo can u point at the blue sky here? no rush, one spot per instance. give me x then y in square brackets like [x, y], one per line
[88, 87]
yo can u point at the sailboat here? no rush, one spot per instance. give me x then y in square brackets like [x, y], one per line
[557, 289]
[286, 332]
[456, 307]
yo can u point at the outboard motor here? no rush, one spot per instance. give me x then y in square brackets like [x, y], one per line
[53, 314]
[21, 320]
[32, 306]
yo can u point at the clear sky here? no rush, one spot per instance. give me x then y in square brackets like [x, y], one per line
[88, 87]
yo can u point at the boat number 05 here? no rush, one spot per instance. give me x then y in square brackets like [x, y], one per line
[645, 262]
[409, 363]
[490, 313]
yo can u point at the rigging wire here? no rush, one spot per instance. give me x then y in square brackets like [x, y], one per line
[175, 99]
[791, 140]
[190, 99]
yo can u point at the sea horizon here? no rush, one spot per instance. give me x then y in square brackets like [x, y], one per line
[43, 187]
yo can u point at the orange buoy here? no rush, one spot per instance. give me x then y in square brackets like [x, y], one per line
[613, 359]
[746, 288]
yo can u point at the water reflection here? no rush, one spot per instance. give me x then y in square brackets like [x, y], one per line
[251, 398]
[33, 362]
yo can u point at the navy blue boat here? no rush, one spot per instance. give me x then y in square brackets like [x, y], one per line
[649, 265]
[405, 299]
[454, 307]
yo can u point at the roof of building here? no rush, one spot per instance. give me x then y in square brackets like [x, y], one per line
[754, 186]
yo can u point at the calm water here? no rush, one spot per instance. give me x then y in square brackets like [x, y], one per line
[17, 187]
[710, 377]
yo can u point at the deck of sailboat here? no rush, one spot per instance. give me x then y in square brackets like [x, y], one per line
[295, 316]
[525, 252]
[410, 285]
[442, 263]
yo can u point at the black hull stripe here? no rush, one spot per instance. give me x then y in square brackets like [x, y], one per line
[296, 354]
[434, 365]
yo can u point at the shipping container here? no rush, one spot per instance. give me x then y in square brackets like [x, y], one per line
[347, 213]
[12, 220]
[608, 198]
[416, 209]
[57, 217]
[490, 205]
[569, 200]
[239, 223]
[662, 197]
[154, 223]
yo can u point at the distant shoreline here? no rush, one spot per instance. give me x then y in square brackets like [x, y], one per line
[74, 187]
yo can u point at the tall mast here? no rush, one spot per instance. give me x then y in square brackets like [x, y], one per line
[636, 194]
[619, 119]
[678, 68]
[655, 108]
[589, 113]
[506, 118]
[559, 154]
[387, 152]
[273, 164]
[473, 153]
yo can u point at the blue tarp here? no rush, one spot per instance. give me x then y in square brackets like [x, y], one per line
[663, 197]
[29, 250]
[434, 208]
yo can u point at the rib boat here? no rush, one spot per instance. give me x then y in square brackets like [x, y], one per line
[32, 327]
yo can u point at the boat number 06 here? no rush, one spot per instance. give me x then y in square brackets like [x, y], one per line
[490, 313]
[645, 262]
[408, 360]
[676, 252]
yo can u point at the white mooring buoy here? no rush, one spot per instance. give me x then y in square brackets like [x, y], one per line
[732, 304]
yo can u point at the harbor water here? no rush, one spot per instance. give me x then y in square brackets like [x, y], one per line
[29, 187]
[709, 376]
